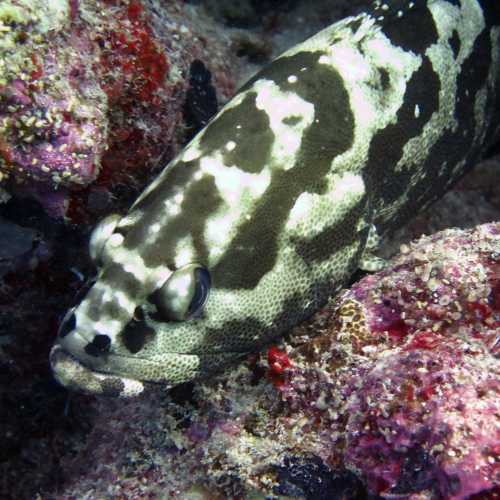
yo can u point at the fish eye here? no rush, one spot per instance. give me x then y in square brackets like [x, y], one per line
[184, 294]
[68, 324]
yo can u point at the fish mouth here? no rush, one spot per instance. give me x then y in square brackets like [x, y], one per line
[116, 374]
[120, 375]
[74, 375]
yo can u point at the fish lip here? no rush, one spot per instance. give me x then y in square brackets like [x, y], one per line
[71, 373]
[60, 357]
[66, 368]
[64, 361]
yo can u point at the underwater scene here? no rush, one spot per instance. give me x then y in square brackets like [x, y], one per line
[249, 249]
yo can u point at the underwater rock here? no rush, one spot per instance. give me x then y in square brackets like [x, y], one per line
[407, 380]
[92, 91]
[313, 480]
[53, 125]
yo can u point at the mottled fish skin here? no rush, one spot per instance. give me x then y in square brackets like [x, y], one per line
[333, 145]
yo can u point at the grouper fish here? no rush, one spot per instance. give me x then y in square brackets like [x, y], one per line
[285, 193]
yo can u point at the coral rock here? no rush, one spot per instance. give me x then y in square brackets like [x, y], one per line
[412, 357]
[93, 91]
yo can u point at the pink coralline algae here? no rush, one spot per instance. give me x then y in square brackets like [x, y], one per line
[410, 371]
[390, 391]
[91, 91]
[52, 128]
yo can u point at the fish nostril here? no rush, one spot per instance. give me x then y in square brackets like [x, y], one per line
[99, 345]
[67, 326]
[139, 314]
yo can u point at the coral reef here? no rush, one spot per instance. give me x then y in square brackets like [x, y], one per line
[93, 91]
[52, 130]
[308, 418]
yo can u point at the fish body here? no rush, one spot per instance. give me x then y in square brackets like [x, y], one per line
[270, 209]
